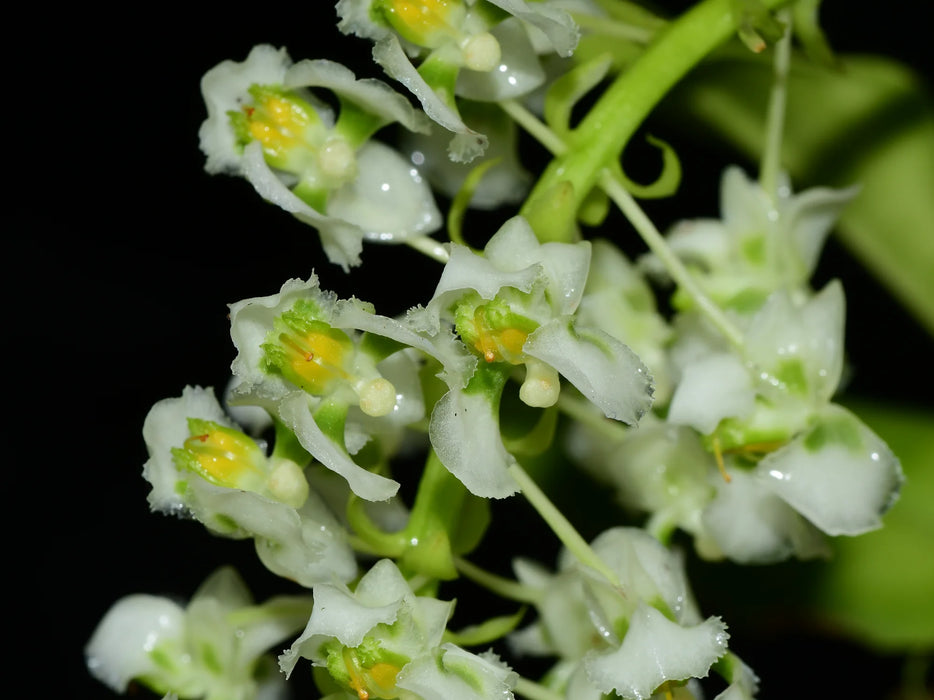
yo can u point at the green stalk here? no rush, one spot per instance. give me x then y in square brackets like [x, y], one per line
[604, 131]
[560, 525]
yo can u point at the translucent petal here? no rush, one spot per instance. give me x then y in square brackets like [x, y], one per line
[751, 525]
[464, 431]
[119, 649]
[711, 389]
[603, 369]
[389, 200]
[456, 674]
[655, 650]
[840, 475]
[295, 413]
[374, 96]
[466, 144]
[557, 30]
[518, 73]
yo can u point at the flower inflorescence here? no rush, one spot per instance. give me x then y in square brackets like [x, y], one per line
[545, 341]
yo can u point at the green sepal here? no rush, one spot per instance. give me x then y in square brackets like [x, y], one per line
[379, 347]
[331, 417]
[378, 542]
[594, 209]
[805, 15]
[441, 76]
[485, 632]
[355, 124]
[287, 446]
[526, 431]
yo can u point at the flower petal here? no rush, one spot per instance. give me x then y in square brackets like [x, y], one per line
[464, 431]
[296, 414]
[603, 369]
[656, 650]
[839, 474]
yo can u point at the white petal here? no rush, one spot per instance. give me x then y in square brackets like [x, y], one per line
[389, 200]
[456, 674]
[603, 369]
[518, 73]
[119, 649]
[307, 546]
[711, 389]
[554, 23]
[295, 413]
[656, 650]
[342, 240]
[466, 144]
[374, 96]
[464, 431]
[751, 525]
[840, 475]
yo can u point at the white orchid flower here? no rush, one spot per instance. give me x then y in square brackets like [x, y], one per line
[302, 356]
[201, 465]
[265, 125]
[475, 49]
[631, 638]
[214, 647]
[757, 246]
[514, 305]
[382, 640]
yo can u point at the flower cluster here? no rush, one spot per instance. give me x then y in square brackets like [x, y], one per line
[543, 346]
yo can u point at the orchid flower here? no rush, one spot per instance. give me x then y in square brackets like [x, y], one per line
[758, 245]
[514, 305]
[301, 356]
[215, 647]
[382, 640]
[630, 639]
[201, 465]
[475, 49]
[265, 125]
[780, 453]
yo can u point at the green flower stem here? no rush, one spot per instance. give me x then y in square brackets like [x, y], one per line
[560, 525]
[656, 243]
[637, 217]
[534, 126]
[535, 691]
[775, 121]
[607, 127]
[433, 522]
[507, 588]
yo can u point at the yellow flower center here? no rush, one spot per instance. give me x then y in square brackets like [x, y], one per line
[316, 359]
[377, 681]
[425, 22]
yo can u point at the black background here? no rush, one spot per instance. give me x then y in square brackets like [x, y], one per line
[122, 255]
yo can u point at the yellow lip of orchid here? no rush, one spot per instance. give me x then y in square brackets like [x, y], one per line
[224, 456]
[377, 681]
[426, 23]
